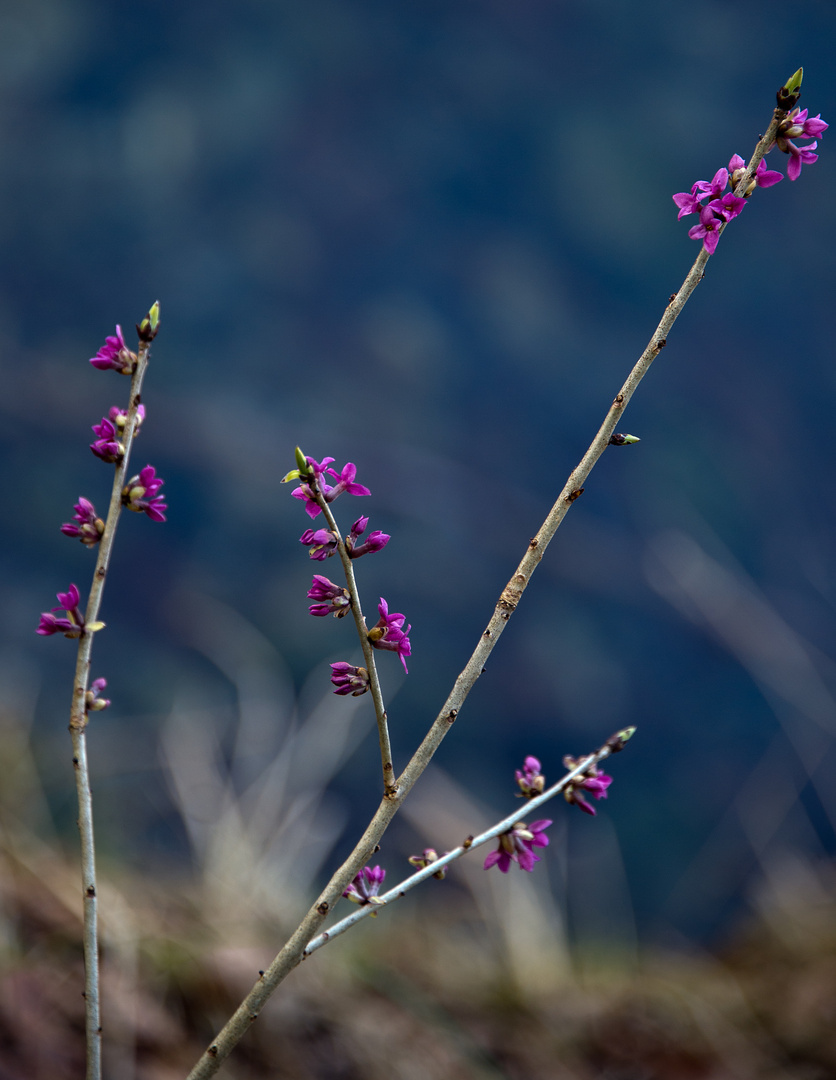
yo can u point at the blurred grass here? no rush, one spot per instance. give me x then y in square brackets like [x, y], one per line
[475, 978]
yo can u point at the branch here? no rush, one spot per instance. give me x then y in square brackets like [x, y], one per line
[295, 948]
[78, 724]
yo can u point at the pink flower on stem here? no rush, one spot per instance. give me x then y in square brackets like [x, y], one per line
[89, 528]
[707, 230]
[517, 846]
[375, 541]
[798, 125]
[345, 482]
[388, 633]
[107, 446]
[594, 783]
[115, 355]
[140, 494]
[321, 543]
[529, 779]
[332, 598]
[349, 679]
[364, 888]
[73, 625]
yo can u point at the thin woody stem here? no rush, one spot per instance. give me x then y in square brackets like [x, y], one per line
[366, 646]
[293, 952]
[78, 724]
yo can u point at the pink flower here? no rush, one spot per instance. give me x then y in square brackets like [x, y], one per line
[115, 355]
[388, 633]
[516, 846]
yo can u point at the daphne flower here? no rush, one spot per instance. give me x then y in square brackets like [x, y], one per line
[594, 783]
[107, 446]
[321, 543]
[707, 230]
[345, 482]
[516, 846]
[763, 177]
[332, 598]
[375, 541]
[89, 528]
[73, 626]
[349, 679]
[798, 125]
[364, 888]
[530, 780]
[115, 355]
[140, 494]
[388, 633]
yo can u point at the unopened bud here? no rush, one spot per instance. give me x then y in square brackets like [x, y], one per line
[790, 92]
[623, 440]
[616, 742]
[147, 329]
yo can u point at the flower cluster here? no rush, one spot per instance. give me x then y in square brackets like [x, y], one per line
[323, 543]
[89, 528]
[140, 494]
[364, 888]
[719, 209]
[115, 355]
[109, 431]
[529, 779]
[349, 679]
[517, 846]
[74, 625]
[333, 600]
[716, 206]
[593, 782]
[390, 632]
[313, 482]
[799, 126]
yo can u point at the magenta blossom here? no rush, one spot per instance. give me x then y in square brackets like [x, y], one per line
[332, 598]
[349, 679]
[728, 206]
[517, 845]
[594, 783]
[375, 541]
[707, 230]
[321, 543]
[118, 417]
[73, 625]
[115, 355]
[763, 177]
[530, 780]
[388, 633]
[799, 125]
[345, 482]
[364, 888]
[89, 528]
[140, 494]
[107, 446]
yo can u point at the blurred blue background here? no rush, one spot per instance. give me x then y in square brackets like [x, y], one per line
[432, 239]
